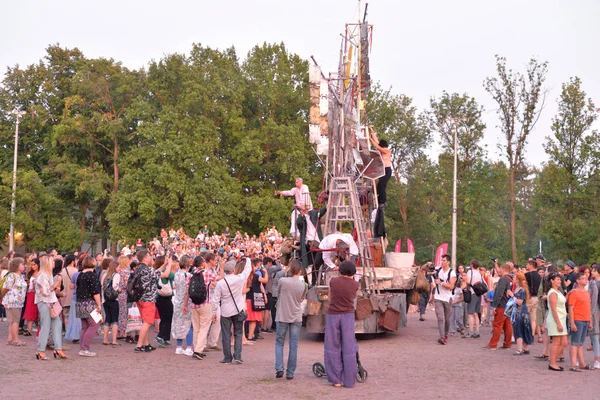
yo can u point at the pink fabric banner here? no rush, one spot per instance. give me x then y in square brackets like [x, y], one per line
[398, 246]
[409, 245]
[443, 249]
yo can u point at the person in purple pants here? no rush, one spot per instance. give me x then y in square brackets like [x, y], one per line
[340, 343]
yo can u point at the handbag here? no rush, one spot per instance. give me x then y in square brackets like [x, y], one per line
[467, 295]
[55, 310]
[134, 320]
[422, 283]
[480, 288]
[258, 303]
[241, 315]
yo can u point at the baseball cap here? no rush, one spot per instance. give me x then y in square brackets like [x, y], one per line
[540, 257]
[571, 264]
[229, 266]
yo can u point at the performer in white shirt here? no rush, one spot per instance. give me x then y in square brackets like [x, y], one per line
[331, 245]
[301, 195]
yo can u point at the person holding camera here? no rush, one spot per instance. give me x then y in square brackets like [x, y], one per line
[501, 322]
[443, 287]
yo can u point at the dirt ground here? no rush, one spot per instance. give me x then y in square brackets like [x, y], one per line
[408, 364]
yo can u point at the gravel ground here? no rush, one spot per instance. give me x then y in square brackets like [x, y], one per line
[408, 364]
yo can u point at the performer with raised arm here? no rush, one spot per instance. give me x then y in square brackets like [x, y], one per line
[302, 197]
[386, 155]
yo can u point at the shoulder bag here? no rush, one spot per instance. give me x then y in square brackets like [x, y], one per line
[241, 315]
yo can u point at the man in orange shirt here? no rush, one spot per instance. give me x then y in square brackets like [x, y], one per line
[580, 315]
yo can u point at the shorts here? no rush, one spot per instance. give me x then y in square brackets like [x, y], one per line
[578, 338]
[111, 312]
[147, 310]
[474, 306]
[13, 315]
[532, 304]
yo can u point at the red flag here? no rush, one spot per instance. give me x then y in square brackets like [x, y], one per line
[398, 246]
[409, 244]
[443, 249]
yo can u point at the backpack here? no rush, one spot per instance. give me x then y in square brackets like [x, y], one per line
[197, 290]
[109, 292]
[135, 287]
[164, 289]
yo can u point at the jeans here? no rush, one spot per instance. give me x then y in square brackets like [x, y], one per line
[456, 318]
[273, 313]
[443, 310]
[595, 344]
[189, 339]
[423, 302]
[45, 322]
[282, 328]
[165, 310]
[226, 324]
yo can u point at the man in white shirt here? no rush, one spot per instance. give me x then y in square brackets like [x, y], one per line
[228, 301]
[443, 292]
[301, 195]
[330, 246]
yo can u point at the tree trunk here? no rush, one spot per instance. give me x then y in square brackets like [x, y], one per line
[84, 208]
[113, 243]
[513, 215]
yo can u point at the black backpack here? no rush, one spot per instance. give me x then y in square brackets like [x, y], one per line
[135, 287]
[109, 292]
[197, 290]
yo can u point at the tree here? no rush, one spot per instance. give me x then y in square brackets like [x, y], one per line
[520, 102]
[565, 193]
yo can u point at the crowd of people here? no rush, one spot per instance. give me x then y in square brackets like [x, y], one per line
[558, 307]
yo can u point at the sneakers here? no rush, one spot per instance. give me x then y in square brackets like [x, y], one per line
[87, 353]
[476, 336]
[188, 352]
[199, 356]
[225, 361]
[279, 374]
[597, 365]
[140, 349]
[149, 347]
[445, 339]
[467, 336]
[240, 361]
[161, 342]
[179, 350]
[441, 341]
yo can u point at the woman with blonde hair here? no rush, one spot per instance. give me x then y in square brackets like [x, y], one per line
[45, 299]
[124, 272]
[522, 322]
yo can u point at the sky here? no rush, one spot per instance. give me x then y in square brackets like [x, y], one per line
[420, 48]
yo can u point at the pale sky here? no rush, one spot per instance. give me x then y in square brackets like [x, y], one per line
[420, 48]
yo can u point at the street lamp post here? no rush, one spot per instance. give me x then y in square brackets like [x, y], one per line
[13, 206]
[454, 200]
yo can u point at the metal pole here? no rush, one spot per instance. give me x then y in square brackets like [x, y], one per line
[11, 243]
[454, 204]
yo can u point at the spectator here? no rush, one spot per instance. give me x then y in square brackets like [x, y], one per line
[340, 343]
[580, 317]
[111, 306]
[227, 301]
[164, 298]
[556, 321]
[594, 289]
[31, 310]
[256, 299]
[522, 323]
[88, 300]
[146, 304]
[181, 327]
[473, 306]
[45, 297]
[13, 295]
[214, 269]
[501, 323]
[290, 292]
[443, 287]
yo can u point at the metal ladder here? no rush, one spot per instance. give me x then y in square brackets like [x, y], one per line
[344, 206]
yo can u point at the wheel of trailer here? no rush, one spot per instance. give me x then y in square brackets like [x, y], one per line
[318, 369]
[362, 375]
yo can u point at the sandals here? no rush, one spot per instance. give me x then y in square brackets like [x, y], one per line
[559, 369]
[541, 357]
[40, 355]
[115, 344]
[26, 332]
[561, 359]
[588, 367]
[574, 369]
[18, 343]
[518, 353]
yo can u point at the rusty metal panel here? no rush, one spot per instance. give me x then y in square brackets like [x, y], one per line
[363, 308]
[389, 320]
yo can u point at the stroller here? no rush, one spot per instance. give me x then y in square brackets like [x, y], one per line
[361, 375]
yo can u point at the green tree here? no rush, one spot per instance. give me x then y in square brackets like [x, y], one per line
[520, 101]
